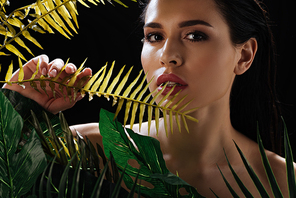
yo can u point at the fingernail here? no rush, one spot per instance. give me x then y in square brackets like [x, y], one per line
[71, 69]
[44, 71]
[53, 73]
[79, 97]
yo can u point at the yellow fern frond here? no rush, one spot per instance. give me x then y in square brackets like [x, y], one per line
[49, 15]
[101, 85]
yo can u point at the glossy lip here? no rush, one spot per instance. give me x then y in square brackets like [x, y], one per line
[172, 78]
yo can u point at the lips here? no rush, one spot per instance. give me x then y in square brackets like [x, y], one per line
[171, 80]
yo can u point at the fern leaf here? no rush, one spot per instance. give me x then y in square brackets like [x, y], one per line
[166, 96]
[185, 123]
[45, 26]
[92, 80]
[150, 109]
[16, 22]
[178, 103]
[165, 122]
[120, 2]
[157, 119]
[185, 105]
[106, 80]
[73, 12]
[139, 88]
[49, 20]
[134, 111]
[59, 74]
[93, 2]
[43, 86]
[142, 111]
[3, 54]
[50, 6]
[115, 81]
[11, 48]
[129, 88]
[149, 118]
[82, 2]
[178, 122]
[27, 35]
[119, 106]
[11, 29]
[171, 121]
[158, 94]
[123, 82]
[21, 73]
[65, 14]
[9, 73]
[74, 77]
[19, 14]
[127, 109]
[97, 84]
[22, 44]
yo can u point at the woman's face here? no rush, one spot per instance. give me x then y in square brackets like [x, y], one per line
[188, 42]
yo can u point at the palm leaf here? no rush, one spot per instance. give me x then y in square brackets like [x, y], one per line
[237, 179]
[289, 164]
[49, 15]
[271, 178]
[100, 85]
[252, 174]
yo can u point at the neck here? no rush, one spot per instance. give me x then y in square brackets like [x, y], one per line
[204, 143]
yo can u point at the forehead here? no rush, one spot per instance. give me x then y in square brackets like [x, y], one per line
[175, 10]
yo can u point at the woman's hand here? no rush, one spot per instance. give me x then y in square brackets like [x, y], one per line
[47, 100]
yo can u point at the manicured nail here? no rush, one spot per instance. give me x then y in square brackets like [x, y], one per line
[44, 72]
[79, 98]
[72, 69]
[53, 73]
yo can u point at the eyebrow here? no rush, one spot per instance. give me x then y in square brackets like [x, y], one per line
[181, 25]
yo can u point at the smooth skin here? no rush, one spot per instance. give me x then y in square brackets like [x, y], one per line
[191, 39]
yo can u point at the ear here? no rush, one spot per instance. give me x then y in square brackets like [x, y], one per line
[247, 52]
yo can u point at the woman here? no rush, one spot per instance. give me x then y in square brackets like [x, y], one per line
[218, 52]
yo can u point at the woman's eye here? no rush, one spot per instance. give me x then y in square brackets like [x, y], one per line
[152, 38]
[196, 36]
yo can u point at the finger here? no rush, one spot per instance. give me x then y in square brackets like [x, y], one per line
[43, 63]
[70, 68]
[55, 67]
[86, 72]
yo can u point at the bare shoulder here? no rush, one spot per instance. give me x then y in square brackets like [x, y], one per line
[278, 165]
[143, 129]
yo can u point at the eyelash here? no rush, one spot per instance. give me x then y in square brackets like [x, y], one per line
[202, 37]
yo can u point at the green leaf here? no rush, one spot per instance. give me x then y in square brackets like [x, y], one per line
[271, 178]
[18, 172]
[146, 151]
[233, 193]
[237, 179]
[252, 174]
[289, 164]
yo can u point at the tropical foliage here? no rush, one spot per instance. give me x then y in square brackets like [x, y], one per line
[99, 85]
[43, 16]
[39, 159]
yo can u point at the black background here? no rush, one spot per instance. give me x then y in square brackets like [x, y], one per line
[108, 33]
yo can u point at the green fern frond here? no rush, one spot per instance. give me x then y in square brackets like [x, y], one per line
[49, 15]
[99, 85]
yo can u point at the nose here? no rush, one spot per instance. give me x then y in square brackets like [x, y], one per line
[171, 54]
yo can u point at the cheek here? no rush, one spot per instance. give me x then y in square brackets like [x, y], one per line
[149, 64]
[212, 72]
